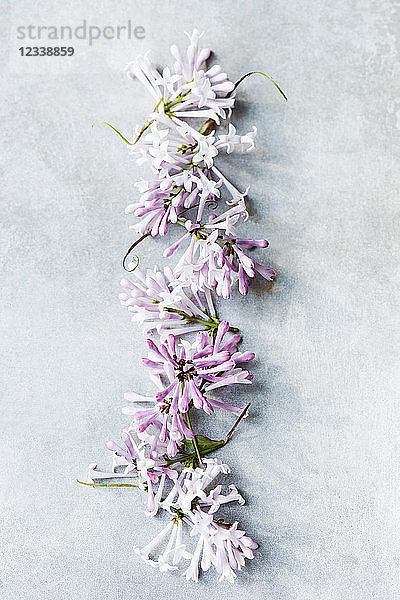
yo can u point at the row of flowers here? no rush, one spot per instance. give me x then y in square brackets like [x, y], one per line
[191, 352]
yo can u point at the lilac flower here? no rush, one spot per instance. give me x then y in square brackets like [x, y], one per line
[224, 547]
[188, 369]
[148, 466]
[141, 456]
[215, 499]
[160, 301]
[223, 224]
[171, 146]
[183, 160]
[242, 143]
[174, 551]
[191, 484]
[217, 262]
[218, 544]
[163, 416]
[162, 201]
[175, 148]
[158, 206]
[95, 473]
[196, 353]
[188, 91]
[184, 373]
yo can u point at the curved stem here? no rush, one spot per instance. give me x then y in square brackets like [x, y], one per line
[122, 485]
[145, 235]
[258, 73]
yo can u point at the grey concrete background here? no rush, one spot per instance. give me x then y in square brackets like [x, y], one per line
[318, 459]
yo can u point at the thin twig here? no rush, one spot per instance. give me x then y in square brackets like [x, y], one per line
[145, 235]
[242, 414]
[123, 485]
[257, 73]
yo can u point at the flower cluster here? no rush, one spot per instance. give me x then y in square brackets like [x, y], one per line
[192, 504]
[192, 355]
[216, 543]
[189, 90]
[182, 160]
[186, 373]
[185, 178]
[157, 299]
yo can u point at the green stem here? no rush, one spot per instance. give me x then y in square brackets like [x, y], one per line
[179, 99]
[195, 446]
[122, 485]
[212, 323]
[141, 132]
[184, 457]
[192, 319]
[264, 75]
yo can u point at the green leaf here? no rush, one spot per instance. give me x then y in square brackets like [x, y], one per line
[205, 444]
[190, 462]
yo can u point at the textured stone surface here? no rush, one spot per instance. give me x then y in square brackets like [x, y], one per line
[318, 458]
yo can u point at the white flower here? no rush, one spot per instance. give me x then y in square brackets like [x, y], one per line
[228, 219]
[191, 484]
[215, 499]
[217, 544]
[242, 143]
[223, 546]
[173, 553]
[205, 151]
[189, 91]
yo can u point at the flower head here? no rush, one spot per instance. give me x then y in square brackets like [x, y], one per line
[189, 90]
[217, 543]
[157, 299]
